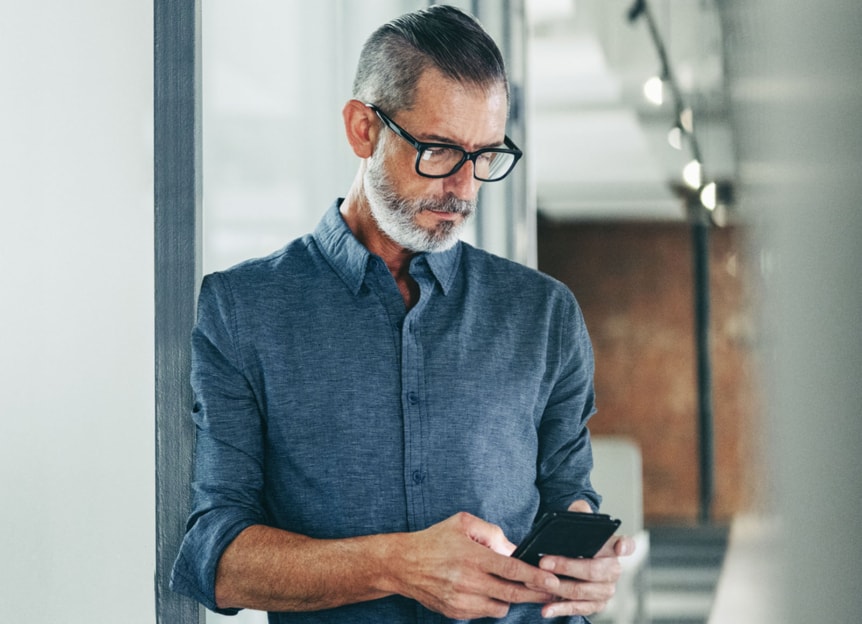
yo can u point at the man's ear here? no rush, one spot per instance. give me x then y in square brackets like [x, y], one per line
[361, 127]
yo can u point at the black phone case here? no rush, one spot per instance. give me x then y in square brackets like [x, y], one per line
[567, 533]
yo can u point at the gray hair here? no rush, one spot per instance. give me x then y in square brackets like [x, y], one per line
[442, 37]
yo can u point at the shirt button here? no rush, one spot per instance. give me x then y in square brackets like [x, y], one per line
[418, 477]
[412, 398]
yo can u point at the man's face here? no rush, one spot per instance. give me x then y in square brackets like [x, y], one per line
[428, 214]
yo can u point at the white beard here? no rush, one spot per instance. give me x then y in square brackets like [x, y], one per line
[395, 215]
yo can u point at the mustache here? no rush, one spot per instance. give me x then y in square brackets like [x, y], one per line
[448, 204]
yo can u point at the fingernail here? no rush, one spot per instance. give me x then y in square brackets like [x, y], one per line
[547, 564]
[551, 613]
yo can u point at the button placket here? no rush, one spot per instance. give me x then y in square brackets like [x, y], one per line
[412, 374]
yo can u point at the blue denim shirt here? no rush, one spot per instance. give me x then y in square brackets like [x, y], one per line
[324, 407]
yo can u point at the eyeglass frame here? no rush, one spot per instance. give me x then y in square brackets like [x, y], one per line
[420, 146]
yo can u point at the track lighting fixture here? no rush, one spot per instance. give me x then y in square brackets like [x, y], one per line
[709, 196]
[674, 137]
[658, 90]
[686, 119]
[654, 90]
[692, 174]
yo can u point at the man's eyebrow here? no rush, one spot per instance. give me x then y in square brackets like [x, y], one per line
[434, 138]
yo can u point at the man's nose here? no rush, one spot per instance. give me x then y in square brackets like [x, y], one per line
[462, 184]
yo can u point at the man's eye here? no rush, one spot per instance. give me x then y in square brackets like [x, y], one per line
[439, 153]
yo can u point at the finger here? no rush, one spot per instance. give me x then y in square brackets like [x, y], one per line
[581, 506]
[516, 593]
[504, 579]
[470, 607]
[617, 546]
[500, 544]
[582, 591]
[557, 609]
[487, 534]
[524, 574]
[602, 570]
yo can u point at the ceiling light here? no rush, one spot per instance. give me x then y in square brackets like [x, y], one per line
[686, 119]
[674, 137]
[654, 90]
[691, 173]
[708, 196]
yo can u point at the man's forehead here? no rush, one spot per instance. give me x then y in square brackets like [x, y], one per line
[433, 84]
[444, 108]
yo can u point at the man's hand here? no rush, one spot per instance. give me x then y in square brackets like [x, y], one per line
[462, 569]
[586, 585]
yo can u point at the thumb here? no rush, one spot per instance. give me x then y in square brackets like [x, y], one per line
[617, 546]
[502, 545]
[490, 536]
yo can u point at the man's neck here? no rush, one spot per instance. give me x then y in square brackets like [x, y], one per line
[357, 215]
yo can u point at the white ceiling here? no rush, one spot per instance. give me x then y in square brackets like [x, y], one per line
[598, 148]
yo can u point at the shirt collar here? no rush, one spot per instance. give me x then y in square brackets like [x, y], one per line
[349, 258]
[443, 265]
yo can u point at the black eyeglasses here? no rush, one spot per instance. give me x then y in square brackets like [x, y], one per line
[439, 160]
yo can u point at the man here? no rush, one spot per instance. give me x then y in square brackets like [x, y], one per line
[380, 407]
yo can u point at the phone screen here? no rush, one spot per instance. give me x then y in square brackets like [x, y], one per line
[566, 533]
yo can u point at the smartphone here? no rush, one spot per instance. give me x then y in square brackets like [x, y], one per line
[566, 533]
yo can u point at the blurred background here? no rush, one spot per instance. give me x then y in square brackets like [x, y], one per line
[687, 162]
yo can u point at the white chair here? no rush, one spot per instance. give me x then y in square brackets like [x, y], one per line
[617, 476]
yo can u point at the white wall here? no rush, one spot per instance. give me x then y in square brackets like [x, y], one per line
[810, 141]
[797, 100]
[76, 312]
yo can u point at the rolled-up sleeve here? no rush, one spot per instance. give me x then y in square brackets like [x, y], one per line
[565, 455]
[228, 474]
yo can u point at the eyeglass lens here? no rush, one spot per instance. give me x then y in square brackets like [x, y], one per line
[442, 161]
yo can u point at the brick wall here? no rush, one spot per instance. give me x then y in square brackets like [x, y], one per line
[634, 282]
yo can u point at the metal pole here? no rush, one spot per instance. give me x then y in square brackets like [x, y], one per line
[700, 244]
[177, 192]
